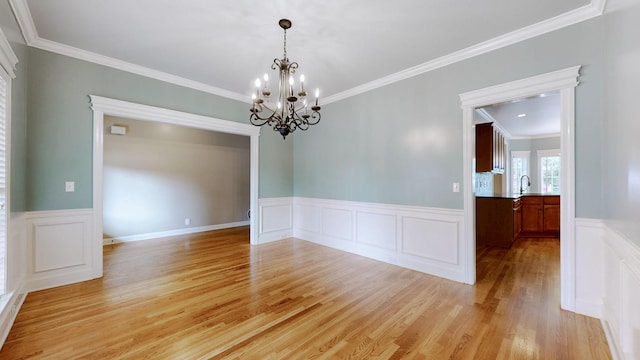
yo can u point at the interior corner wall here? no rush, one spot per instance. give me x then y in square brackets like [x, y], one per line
[621, 150]
[158, 175]
[59, 132]
[402, 143]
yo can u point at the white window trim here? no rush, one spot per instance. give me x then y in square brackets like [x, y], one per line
[546, 153]
[8, 61]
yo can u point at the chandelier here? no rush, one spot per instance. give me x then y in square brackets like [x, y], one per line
[291, 110]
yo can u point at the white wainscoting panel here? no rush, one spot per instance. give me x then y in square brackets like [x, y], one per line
[57, 246]
[337, 223]
[60, 247]
[276, 219]
[621, 310]
[589, 267]
[423, 239]
[375, 229]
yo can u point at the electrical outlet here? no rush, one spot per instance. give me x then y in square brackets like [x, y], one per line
[187, 221]
[456, 187]
[70, 186]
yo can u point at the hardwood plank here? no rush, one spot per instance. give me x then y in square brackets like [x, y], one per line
[212, 295]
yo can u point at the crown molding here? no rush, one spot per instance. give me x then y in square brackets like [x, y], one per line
[8, 58]
[483, 113]
[29, 31]
[594, 9]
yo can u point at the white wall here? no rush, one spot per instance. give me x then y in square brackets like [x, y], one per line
[157, 175]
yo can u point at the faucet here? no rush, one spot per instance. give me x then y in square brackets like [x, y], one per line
[522, 189]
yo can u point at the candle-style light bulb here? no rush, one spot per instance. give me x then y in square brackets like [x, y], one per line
[302, 83]
[279, 104]
[266, 80]
[317, 96]
[257, 88]
[291, 85]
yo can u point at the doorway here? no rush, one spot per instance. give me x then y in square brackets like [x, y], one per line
[164, 180]
[565, 82]
[104, 106]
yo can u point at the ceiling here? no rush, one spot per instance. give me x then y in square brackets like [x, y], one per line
[343, 47]
[537, 116]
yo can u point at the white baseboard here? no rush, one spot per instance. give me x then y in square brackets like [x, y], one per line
[611, 340]
[159, 234]
[10, 304]
[621, 313]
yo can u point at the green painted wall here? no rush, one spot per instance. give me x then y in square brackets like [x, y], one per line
[621, 185]
[18, 195]
[402, 143]
[59, 136]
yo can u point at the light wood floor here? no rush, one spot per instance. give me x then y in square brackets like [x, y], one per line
[214, 296]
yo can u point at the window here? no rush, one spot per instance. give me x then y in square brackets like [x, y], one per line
[519, 167]
[549, 170]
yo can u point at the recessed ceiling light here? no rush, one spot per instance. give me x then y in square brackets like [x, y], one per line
[522, 115]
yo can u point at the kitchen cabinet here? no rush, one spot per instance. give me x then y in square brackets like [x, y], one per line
[490, 149]
[517, 217]
[551, 214]
[498, 221]
[540, 216]
[532, 214]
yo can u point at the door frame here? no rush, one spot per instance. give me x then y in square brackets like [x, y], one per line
[102, 106]
[564, 81]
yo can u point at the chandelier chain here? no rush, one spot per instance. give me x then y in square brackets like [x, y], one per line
[285, 44]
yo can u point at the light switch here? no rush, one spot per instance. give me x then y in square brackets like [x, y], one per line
[69, 186]
[456, 187]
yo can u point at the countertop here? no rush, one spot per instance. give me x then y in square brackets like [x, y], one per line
[515, 195]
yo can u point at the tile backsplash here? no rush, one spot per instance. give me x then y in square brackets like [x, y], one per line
[483, 183]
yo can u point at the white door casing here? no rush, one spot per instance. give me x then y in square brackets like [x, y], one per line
[564, 81]
[102, 106]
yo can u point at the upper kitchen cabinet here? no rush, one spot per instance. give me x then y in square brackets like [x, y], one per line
[490, 149]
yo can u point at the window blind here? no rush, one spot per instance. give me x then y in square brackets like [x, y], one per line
[3, 189]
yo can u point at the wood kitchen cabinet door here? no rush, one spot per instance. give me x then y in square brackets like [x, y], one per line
[532, 214]
[551, 214]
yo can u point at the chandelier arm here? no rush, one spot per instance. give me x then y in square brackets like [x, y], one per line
[315, 116]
